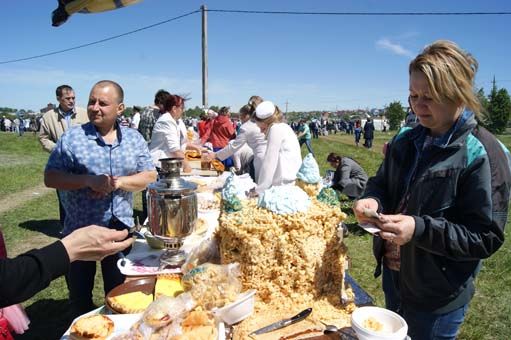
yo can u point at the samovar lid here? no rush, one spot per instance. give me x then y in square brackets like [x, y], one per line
[170, 181]
[174, 186]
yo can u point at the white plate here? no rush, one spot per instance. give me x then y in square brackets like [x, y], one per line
[123, 323]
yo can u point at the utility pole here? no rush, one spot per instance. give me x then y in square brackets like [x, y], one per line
[204, 56]
[286, 105]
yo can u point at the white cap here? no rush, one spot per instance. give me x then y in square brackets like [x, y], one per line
[265, 110]
[212, 114]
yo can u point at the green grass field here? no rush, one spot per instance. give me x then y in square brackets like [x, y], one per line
[35, 223]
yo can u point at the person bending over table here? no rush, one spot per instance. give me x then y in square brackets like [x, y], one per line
[250, 135]
[28, 273]
[443, 190]
[97, 166]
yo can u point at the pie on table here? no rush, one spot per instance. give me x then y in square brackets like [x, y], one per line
[137, 301]
[131, 303]
[168, 285]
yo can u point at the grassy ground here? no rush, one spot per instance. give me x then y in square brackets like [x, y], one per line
[35, 223]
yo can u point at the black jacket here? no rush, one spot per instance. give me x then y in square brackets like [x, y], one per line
[459, 199]
[29, 273]
[369, 130]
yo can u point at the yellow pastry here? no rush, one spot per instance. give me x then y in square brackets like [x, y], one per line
[168, 285]
[129, 303]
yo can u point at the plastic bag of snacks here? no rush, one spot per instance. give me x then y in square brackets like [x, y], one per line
[213, 285]
[163, 318]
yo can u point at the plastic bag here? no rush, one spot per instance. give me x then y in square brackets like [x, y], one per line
[213, 285]
[162, 319]
[17, 318]
[207, 251]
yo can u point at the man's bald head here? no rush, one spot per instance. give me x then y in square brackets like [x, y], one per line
[117, 88]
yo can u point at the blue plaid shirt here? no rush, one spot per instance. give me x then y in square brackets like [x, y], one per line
[81, 150]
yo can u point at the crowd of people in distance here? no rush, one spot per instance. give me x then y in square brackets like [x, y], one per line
[439, 198]
[19, 125]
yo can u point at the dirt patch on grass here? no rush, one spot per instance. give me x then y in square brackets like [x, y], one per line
[14, 200]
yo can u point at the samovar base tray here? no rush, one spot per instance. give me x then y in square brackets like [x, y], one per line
[172, 258]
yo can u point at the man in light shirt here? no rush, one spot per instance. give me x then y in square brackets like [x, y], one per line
[135, 119]
[55, 122]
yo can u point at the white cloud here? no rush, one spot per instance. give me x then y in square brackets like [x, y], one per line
[395, 48]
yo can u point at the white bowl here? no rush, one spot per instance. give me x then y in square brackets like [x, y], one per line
[394, 326]
[239, 309]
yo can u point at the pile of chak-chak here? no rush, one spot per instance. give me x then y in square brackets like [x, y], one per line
[291, 252]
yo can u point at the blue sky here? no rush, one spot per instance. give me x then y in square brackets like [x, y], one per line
[311, 62]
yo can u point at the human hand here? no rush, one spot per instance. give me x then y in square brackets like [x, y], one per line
[116, 182]
[94, 243]
[186, 167]
[209, 156]
[100, 183]
[361, 206]
[398, 229]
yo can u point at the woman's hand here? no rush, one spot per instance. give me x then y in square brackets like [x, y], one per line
[360, 206]
[94, 243]
[209, 156]
[398, 229]
[186, 166]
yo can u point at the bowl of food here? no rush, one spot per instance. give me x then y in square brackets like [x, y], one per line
[238, 310]
[375, 323]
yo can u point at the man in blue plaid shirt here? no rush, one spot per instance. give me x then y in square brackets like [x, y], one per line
[97, 166]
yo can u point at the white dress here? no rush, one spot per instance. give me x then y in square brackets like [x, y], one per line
[282, 159]
[168, 136]
[251, 135]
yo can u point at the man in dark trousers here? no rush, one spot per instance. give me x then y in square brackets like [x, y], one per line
[368, 133]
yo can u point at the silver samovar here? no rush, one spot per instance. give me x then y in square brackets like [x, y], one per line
[172, 204]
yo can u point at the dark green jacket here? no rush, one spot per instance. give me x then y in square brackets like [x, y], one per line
[458, 197]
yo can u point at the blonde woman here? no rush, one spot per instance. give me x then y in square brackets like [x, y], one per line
[282, 159]
[443, 192]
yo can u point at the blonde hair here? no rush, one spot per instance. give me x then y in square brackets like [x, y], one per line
[450, 73]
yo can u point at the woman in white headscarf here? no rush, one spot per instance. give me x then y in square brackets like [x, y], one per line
[283, 158]
[250, 135]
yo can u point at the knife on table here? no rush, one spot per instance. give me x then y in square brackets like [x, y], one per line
[283, 323]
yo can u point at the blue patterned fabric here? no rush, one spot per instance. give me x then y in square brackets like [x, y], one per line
[81, 150]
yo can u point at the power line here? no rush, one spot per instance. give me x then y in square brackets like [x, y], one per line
[359, 13]
[99, 41]
[257, 12]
